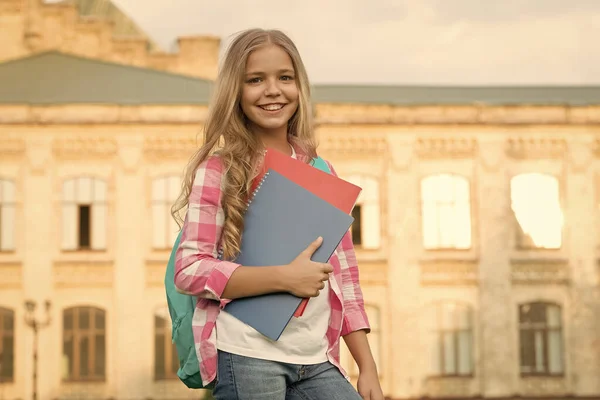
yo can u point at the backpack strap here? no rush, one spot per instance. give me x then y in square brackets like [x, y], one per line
[319, 163]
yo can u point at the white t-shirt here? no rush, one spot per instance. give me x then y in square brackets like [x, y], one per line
[303, 341]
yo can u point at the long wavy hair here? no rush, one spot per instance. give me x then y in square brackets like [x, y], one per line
[226, 132]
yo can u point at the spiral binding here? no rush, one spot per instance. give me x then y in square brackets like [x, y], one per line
[220, 252]
[256, 190]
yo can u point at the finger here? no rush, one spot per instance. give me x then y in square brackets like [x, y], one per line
[322, 285]
[324, 278]
[314, 246]
[327, 268]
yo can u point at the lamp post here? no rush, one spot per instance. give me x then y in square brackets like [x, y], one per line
[32, 322]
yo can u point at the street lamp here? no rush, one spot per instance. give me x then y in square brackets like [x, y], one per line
[32, 322]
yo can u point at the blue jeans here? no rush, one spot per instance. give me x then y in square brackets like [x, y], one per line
[245, 378]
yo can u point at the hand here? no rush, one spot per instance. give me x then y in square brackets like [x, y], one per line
[306, 278]
[368, 385]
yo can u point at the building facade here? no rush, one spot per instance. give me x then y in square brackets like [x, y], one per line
[477, 231]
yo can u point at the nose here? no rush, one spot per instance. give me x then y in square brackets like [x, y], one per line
[272, 88]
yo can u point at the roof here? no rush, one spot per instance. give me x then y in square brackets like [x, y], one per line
[58, 78]
[447, 95]
[123, 25]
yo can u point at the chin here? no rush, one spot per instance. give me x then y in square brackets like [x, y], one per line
[270, 125]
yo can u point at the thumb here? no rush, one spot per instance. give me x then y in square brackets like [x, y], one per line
[314, 246]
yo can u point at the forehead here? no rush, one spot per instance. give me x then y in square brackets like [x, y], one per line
[268, 58]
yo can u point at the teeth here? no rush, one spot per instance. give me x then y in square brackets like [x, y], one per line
[273, 107]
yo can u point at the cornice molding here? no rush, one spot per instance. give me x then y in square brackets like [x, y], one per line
[11, 7]
[537, 272]
[326, 114]
[450, 387]
[445, 147]
[596, 147]
[155, 273]
[449, 273]
[169, 147]
[12, 275]
[354, 144]
[535, 148]
[10, 147]
[369, 114]
[102, 114]
[84, 147]
[547, 386]
[83, 274]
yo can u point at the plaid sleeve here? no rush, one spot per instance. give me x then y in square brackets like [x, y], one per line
[355, 316]
[198, 271]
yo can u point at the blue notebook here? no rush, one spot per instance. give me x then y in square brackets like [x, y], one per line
[282, 219]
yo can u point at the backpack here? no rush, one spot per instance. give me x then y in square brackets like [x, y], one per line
[181, 308]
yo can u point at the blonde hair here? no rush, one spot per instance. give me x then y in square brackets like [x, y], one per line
[226, 132]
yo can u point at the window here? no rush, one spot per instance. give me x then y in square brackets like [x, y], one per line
[356, 229]
[7, 344]
[446, 212]
[450, 329]
[166, 361]
[165, 229]
[540, 339]
[366, 229]
[84, 344]
[84, 214]
[7, 215]
[535, 202]
[375, 342]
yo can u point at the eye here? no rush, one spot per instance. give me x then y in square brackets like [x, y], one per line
[253, 80]
[287, 78]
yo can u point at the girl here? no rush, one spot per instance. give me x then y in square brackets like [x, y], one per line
[262, 100]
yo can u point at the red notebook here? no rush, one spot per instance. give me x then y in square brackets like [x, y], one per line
[336, 191]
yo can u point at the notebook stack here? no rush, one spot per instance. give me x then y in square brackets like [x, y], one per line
[293, 204]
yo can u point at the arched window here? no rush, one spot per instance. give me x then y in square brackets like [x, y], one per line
[166, 362]
[446, 212]
[366, 228]
[7, 215]
[84, 214]
[541, 342]
[450, 331]
[7, 345]
[164, 229]
[84, 344]
[535, 201]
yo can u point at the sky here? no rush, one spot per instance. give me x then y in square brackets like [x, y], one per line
[439, 42]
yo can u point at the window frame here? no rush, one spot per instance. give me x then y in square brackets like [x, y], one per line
[518, 237]
[76, 333]
[6, 332]
[92, 204]
[423, 204]
[356, 227]
[7, 204]
[545, 330]
[439, 333]
[167, 202]
[169, 349]
[367, 199]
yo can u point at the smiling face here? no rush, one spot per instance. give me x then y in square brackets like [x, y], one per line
[269, 92]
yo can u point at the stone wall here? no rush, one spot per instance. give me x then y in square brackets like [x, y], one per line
[31, 26]
[128, 146]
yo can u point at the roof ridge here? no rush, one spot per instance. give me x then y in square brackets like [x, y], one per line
[99, 61]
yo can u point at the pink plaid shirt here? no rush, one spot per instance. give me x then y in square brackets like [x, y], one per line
[200, 272]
